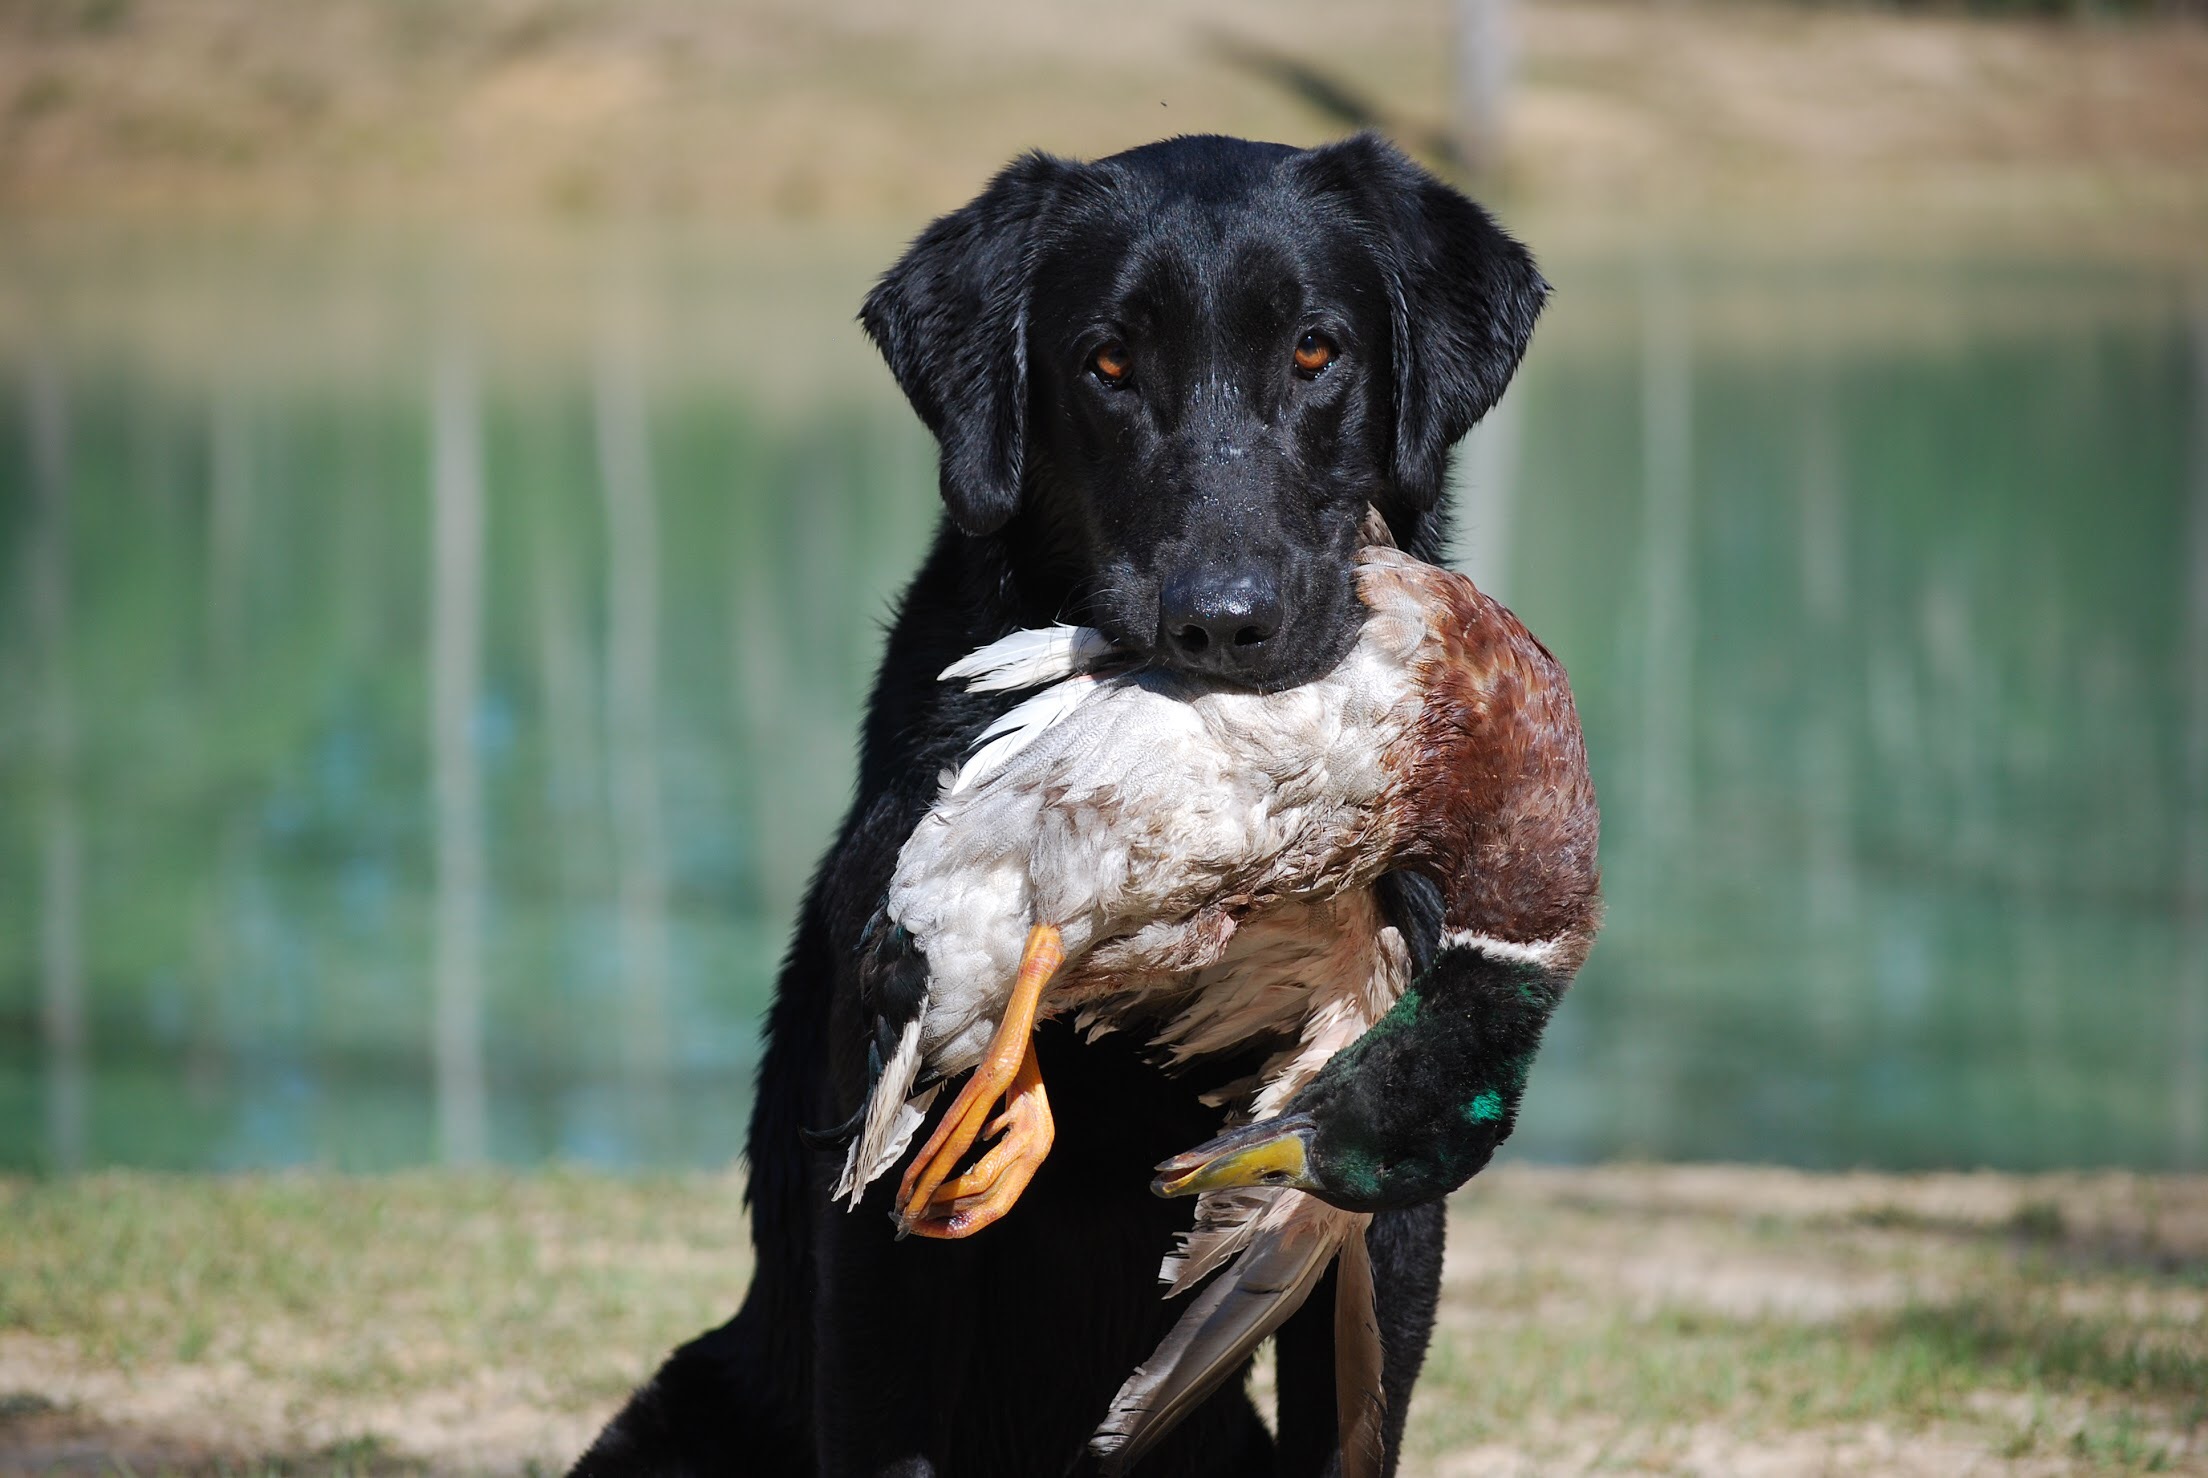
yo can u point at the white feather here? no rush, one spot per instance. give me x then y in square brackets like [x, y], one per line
[1020, 727]
[903, 1125]
[890, 1119]
[1027, 659]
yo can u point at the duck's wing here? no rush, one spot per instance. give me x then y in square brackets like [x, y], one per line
[1289, 1246]
[1269, 1247]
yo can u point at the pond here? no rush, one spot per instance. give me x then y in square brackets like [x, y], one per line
[429, 668]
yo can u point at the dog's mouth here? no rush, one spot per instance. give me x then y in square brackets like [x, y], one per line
[1311, 660]
[1265, 621]
[1301, 651]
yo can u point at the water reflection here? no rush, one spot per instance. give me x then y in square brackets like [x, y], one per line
[456, 698]
[1486, 491]
[632, 689]
[1665, 792]
[2189, 1042]
[441, 669]
[61, 924]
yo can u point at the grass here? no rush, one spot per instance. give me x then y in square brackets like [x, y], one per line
[349, 1319]
[1636, 1319]
[1713, 1321]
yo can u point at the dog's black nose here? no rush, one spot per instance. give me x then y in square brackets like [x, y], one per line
[1217, 619]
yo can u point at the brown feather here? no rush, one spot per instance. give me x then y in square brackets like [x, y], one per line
[1359, 1400]
[1234, 1313]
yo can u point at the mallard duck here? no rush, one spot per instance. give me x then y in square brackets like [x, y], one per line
[1156, 852]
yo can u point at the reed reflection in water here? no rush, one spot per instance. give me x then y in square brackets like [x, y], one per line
[440, 674]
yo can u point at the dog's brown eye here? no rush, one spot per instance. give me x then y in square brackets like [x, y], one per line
[1314, 352]
[1111, 363]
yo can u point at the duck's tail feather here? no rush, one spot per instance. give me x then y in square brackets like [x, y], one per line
[1028, 659]
[893, 1113]
[1360, 1402]
[1288, 1251]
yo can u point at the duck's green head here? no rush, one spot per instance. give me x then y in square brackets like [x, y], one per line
[1405, 1115]
[1410, 1110]
[1343, 1158]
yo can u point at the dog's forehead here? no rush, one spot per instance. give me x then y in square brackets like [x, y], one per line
[1201, 243]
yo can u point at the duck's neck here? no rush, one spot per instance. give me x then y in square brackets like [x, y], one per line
[1503, 813]
[1418, 1105]
[1504, 822]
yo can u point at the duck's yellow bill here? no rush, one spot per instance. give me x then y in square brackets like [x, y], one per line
[1274, 1152]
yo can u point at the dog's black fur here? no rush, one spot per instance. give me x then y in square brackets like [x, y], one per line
[1106, 355]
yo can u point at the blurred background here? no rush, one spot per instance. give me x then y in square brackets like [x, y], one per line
[447, 514]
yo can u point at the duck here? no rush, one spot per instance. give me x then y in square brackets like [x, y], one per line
[1150, 851]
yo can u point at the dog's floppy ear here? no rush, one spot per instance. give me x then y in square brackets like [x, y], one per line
[951, 319]
[1462, 298]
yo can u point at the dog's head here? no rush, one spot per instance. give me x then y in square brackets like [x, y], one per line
[1182, 373]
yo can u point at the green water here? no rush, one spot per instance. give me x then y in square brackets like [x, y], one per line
[428, 671]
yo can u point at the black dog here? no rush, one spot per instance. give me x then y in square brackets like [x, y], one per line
[1166, 387]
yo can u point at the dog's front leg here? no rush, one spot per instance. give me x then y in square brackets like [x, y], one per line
[894, 1330]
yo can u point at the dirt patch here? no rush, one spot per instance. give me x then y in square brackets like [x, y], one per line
[208, 1414]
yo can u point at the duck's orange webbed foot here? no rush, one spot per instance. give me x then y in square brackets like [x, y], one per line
[964, 1204]
[923, 1198]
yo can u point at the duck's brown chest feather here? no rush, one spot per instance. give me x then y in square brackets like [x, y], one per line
[1497, 805]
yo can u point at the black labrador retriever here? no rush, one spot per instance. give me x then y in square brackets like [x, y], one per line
[1166, 387]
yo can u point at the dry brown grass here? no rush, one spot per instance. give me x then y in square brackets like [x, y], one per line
[870, 110]
[1639, 1319]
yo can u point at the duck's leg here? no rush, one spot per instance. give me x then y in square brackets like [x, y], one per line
[1010, 1053]
[964, 1204]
